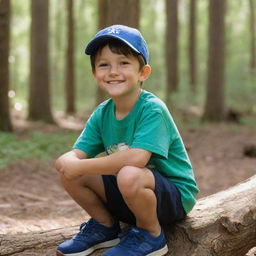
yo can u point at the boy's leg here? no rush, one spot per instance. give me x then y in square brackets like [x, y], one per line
[100, 231]
[88, 191]
[137, 187]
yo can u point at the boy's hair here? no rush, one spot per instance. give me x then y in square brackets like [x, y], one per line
[118, 47]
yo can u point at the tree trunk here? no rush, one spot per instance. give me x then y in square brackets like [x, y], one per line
[223, 224]
[171, 48]
[102, 23]
[70, 74]
[5, 120]
[58, 52]
[215, 102]
[192, 45]
[22, 242]
[252, 35]
[126, 12]
[39, 94]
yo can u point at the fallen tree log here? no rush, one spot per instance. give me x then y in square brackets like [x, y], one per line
[223, 224]
[11, 244]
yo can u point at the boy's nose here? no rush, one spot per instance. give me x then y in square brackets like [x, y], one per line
[113, 70]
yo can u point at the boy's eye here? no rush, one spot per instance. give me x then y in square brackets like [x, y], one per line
[102, 65]
[124, 63]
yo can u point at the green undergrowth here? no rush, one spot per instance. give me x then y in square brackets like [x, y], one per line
[34, 145]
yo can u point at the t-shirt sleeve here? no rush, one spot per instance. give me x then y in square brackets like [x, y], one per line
[153, 133]
[90, 140]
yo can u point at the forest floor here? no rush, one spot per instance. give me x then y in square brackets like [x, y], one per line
[31, 198]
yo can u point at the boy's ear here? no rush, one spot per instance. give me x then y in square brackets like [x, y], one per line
[145, 72]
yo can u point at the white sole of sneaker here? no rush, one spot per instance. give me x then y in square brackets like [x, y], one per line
[106, 244]
[159, 252]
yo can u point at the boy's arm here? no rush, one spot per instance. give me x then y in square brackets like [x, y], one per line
[67, 158]
[73, 164]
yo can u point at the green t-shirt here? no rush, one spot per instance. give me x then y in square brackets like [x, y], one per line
[148, 126]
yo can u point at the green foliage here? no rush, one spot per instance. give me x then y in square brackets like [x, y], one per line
[19, 54]
[240, 82]
[152, 26]
[37, 145]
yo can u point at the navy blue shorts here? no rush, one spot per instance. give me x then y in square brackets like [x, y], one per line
[169, 206]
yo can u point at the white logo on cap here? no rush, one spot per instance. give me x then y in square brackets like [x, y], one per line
[113, 31]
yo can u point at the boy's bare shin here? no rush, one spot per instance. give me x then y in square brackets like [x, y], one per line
[88, 192]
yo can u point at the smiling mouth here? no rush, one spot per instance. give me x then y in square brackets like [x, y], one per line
[115, 82]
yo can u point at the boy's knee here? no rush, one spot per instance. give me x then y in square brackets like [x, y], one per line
[63, 180]
[128, 180]
[68, 183]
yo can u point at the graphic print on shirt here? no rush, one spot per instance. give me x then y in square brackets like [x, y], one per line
[117, 147]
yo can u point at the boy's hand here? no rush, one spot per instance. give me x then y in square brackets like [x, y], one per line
[68, 164]
[76, 162]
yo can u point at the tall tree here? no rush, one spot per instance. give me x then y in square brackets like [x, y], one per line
[57, 51]
[70, 74]
[5, 120]
[126, 12]
[215, 100]
[39, 94]
[192, 45]
[252, 34]
[171, 48]
[102, 22]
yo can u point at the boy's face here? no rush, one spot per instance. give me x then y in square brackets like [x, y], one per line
[117, 74]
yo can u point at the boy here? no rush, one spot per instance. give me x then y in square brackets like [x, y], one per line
[146, 178]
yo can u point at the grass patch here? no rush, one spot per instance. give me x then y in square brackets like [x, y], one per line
[36, 145]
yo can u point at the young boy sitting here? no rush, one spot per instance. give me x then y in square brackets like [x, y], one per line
[146, 179]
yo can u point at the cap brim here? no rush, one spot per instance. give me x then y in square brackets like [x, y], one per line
[96, 42]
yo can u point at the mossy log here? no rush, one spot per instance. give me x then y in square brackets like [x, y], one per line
[223, 224]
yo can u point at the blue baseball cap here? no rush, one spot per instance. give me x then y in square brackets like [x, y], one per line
[130, 36]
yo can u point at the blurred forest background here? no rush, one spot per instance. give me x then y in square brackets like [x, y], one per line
[202, 54]
[203, 58]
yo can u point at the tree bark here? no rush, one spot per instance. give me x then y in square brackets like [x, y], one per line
[102, 23]
[57, 53]
[19, 243]
[5, 120]
[39, 94]
[171, 48]
[126, 12]
[70, 72]
[215, 99]
[223, 224]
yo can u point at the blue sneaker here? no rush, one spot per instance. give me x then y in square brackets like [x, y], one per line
[92, 236]
[138, 242]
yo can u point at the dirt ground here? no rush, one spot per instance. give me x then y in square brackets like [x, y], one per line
[31, 198]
